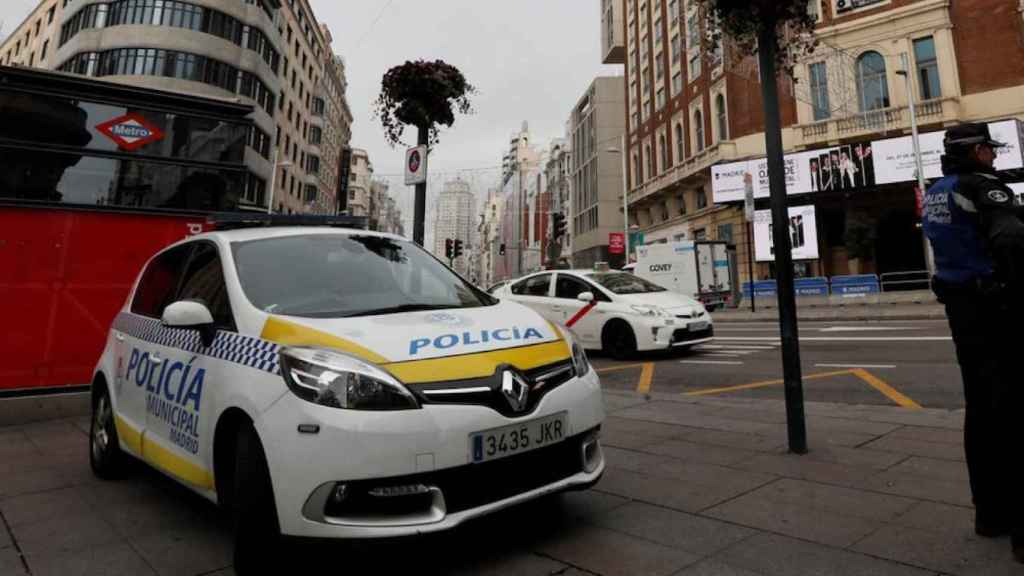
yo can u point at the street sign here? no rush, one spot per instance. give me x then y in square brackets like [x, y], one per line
[616, 242]
[130, 131]
[635, 239]
[416, 165]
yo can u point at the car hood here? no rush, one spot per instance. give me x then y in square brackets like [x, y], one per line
[671, 301]
[433, 345]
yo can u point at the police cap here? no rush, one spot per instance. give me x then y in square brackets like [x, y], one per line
[967, 135]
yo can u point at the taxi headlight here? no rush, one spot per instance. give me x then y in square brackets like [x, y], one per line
[651, 311]
[579, 359]
[338, 380]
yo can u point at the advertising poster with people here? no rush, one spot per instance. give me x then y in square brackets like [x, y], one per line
[802, 232]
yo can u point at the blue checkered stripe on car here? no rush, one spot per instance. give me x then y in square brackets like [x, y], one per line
[228, 346]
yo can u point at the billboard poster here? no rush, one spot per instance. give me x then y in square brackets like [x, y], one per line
[855, 166]
[803, 234]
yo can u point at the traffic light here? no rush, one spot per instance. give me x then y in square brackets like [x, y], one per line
[458, 249]
[558, 225]
[449, 248]
[501, 250]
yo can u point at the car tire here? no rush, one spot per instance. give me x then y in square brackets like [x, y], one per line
[257, 531]
[105, 455]
[618, 340]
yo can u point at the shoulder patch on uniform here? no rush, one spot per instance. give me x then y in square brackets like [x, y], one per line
[999, 196]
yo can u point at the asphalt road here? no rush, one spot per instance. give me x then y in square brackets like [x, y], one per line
[908, 363]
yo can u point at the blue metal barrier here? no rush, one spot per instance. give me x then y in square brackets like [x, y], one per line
[855, 285]
[811, 286]
[763, 288]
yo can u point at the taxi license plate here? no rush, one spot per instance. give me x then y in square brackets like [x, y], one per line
[697, 326]
[517, 438]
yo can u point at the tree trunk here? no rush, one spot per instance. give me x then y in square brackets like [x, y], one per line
[791, 372]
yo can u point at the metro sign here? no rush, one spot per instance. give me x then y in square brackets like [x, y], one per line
[130, 131]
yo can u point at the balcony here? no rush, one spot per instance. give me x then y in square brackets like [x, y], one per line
[684, 169]
[893, 119]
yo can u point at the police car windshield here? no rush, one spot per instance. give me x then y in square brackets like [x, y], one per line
[340, 275]
[623, 283]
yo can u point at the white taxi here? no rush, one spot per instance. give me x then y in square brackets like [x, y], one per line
[332, 383]
[624, 313]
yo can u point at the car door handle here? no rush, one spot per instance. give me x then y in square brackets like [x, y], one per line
[119, 337]
[154, 359]
[557, 308]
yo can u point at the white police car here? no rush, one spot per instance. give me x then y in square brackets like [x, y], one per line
[631, 314]
[323, 382]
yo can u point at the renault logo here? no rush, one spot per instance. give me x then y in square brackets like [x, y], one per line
[515, 389]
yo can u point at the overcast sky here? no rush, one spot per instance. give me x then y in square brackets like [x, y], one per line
[530, 60]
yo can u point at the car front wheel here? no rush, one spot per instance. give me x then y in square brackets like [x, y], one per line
[618, 340]
[105, 454]
[257, 532]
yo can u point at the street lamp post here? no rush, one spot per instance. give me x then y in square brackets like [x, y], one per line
[273, 179]
[625, 196]
[918, 164]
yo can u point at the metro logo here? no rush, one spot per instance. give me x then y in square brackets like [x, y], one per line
[130, 131]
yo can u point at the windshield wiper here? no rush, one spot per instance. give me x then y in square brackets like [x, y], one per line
[402, 308]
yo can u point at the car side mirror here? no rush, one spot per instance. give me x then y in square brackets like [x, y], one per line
[587, 297]
[191, 315]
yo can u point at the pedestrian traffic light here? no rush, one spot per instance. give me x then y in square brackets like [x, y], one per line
[458, 249]
[558, 225]
[449, 248]
[501, 250]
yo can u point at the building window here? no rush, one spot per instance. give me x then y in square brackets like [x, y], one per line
[721, 118]
[814, 9]
[673, 10]
[725, 233]
[702, 200]
[927, 68]
[46, 47]
[679, 142]
[677, 83]
[677, 48]
[664, 153]
[698, 130]
[695, 66]
[637, 177]
[693, 31]
[316, 135]
[872, 85]
[661, 98]
[681, 203]
[819, 91]
[657, 65]
[650, 162]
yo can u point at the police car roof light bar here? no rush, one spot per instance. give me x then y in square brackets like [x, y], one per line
[238, 220]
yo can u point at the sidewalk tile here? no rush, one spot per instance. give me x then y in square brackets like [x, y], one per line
[800, 467]
[936, 517]
[5, 537]
[835, 499]
[195, 550]
[846, 424]
[133, 519]
[750, 413]
[944, 552]
[616, 402]
[634, 460]
[30, 508]
[612, 553]
[668, 492]
[58, 436]
[795, 519]
[853, 456]
[716, 568]
[775, 555]
[655, 429]
[739, 440]
[628, 440]
[933, 468]
[519, 564]
[923, 488]
[108, 560]
[62, 533]
[33, 480]
[922, 433]
[685, 450]
[687, 532]
[710, 475]
[589, 504]
[695, 417]
[10, 563]
[941, 450]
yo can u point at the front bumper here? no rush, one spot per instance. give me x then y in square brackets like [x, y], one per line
[426, 448]
[679, 334]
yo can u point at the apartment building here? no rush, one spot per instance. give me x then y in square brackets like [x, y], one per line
[558, 172]
[596, 127]
[360, 180]
[521, 158]
[264, 52]
[456, 220]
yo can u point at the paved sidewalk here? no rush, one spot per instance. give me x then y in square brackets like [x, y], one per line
[695, 487]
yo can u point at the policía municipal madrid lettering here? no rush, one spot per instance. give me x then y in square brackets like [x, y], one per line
[174, 391]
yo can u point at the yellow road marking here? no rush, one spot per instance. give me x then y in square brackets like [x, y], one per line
[764, 384]
[880, 385]
[646, 376]
[618, 368]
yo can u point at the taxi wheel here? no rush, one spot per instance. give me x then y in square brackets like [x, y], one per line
[257, 532]
[618, 340]
[105, 454]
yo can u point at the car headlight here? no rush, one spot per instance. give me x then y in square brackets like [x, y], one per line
[579, 359]
[644, 310]
[339, 380]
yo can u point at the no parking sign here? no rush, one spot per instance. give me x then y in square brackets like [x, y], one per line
[416, 165]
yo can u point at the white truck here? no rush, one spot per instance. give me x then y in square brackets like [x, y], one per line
[697, 269]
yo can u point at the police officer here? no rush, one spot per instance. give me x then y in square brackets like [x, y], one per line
[975, 230]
